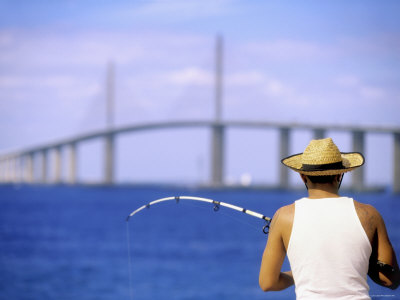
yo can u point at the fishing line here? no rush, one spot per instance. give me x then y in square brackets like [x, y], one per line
[129, 260]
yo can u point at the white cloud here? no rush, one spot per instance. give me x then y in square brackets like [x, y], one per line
[63, 87]
[275, 88]
[198, 76]
[355, 84]
[341, 50]
[255, 79]
[91, 48]
[55, 81]
[246, 78]
[376, 46]
[51, 49]
[348, 81]
[191, 76]
[286, 49]
[372, 93]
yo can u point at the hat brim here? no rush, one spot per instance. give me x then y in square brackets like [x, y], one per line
[350, 161]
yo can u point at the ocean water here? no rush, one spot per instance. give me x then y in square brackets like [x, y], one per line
[64, 242]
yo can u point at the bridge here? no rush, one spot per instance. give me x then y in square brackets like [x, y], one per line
[20, 166]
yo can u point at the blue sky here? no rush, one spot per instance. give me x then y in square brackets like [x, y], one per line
[320, 62]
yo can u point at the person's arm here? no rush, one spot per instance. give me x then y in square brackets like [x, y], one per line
[383, 267]
[271, 278]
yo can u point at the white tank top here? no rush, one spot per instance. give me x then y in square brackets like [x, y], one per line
[329, 250]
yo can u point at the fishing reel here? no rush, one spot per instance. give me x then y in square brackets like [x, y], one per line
[266, 226]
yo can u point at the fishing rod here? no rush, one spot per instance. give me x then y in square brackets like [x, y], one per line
[217, 205]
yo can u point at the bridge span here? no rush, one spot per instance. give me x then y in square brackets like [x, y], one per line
[18, 166]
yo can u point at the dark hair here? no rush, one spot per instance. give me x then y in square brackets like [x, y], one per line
[322, 179]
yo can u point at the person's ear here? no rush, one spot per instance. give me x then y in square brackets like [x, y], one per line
[339, 177]
[304, 178]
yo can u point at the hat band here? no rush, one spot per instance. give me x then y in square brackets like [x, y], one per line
[324, 167]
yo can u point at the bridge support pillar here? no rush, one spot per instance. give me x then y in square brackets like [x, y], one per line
[217, 155]
[57, 164]
[1, 171]
[44, 166]
[8, 170]
[109, 159]
[17, 173]
[29, 167]
[4, 167]
[358, 146]
[13, 171]
[4, 170]
[72, 164]
[396, 163]
[283, 152]
[319, 134]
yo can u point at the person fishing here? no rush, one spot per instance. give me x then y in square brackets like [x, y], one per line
[332, 242]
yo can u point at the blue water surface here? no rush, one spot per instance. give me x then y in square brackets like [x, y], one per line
[70, 242]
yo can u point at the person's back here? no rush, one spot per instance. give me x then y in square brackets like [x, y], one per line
[328, 250]
[331, 241]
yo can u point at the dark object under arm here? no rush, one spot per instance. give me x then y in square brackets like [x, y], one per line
[392, 273]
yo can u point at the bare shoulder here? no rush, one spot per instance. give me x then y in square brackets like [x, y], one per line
[367, 212]
[282, 222]
[369, 217]
[284, 215]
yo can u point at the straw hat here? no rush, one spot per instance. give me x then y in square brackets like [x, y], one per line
[322, 157]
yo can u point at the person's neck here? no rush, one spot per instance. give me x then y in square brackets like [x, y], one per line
[322, 191]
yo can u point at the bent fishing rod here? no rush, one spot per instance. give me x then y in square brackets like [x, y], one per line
[216, 204]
